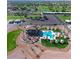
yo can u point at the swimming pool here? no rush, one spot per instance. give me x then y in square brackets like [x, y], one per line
[49, 34]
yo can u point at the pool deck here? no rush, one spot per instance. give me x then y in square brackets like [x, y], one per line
[22, 51]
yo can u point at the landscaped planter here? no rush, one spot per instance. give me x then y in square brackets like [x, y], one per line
[56, 43]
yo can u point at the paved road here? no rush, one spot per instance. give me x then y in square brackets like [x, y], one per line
[11, 27]
[54, 19]
[51, 21]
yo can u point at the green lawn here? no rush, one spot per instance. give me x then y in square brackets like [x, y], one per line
[61, 45]
[11, 39]
[64, 17]
[54, 8]
[43, 8]
[36, 13]
[47, 43]
[33, 16]
[43, 28]
[9, 17]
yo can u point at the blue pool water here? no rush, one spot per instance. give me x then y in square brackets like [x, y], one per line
[48, 34]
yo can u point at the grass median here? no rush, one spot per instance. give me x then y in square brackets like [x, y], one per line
[11, 39]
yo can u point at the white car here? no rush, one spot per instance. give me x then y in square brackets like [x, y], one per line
[69, 26]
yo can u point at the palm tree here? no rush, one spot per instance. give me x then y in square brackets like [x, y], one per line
[37, 56]
[42, 50]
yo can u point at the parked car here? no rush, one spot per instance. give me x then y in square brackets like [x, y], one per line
[45, 18]
[11, 22]
[68, 21]
[17, 21]
[42, 19]
[23, 21]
